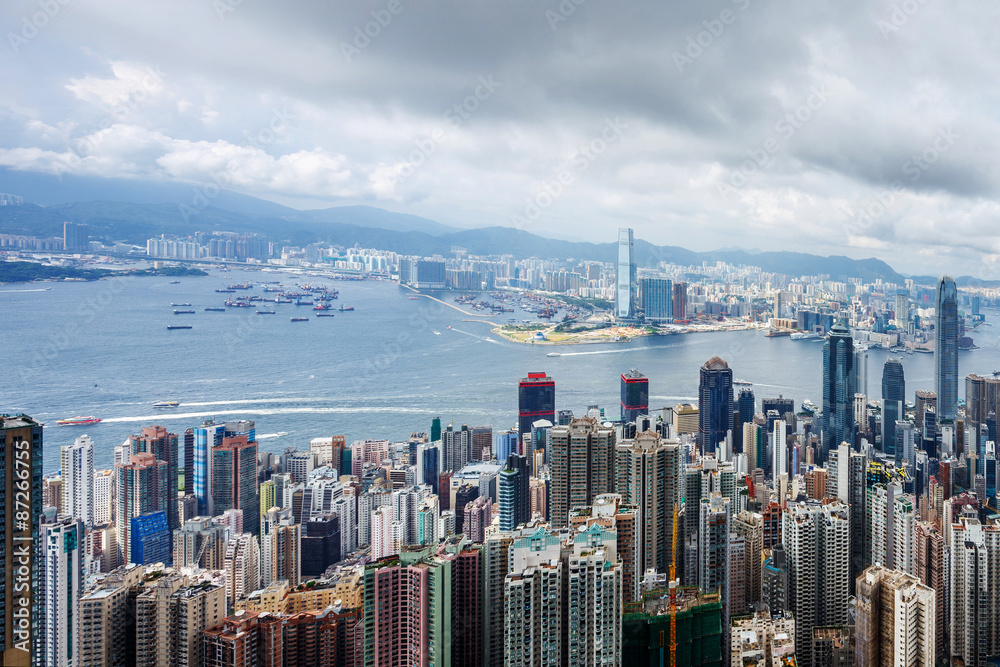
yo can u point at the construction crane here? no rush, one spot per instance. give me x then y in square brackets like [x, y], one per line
[673, 594]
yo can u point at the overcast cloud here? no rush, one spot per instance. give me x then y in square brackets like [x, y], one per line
[857, 128]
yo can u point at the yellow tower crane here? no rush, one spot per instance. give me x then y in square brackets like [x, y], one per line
[673, 594]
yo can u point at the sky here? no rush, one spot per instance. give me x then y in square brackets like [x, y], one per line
[862, 128]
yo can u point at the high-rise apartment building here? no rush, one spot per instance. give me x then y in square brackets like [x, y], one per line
[816, 539]
[206, 437]
[78, 480]
[141, 489]
[456, 447]
[107, 622]
[157, 441]
[895, 616]
[280, 547]
[64, 582]
[172, 613]
[104, 503]
[715, 404]
[750, 526]
[242, 566]
[581, 465]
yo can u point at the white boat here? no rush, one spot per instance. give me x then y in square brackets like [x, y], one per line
[553, 354]
[166, 404]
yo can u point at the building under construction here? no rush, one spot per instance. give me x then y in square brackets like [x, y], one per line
[646, 630]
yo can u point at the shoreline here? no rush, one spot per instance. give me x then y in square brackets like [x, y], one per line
[593, 337]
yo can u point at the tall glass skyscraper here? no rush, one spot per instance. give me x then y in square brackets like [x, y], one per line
[893, 397]
[657, 300]
[206, 437]
[635, 395]
[715, 404]
[946, 348]
[625, 276]
[536, 399]
[838, 388]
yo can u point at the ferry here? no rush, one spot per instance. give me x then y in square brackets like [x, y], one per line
[78, 421]
[166, 404]
[183, 312]
[553, 354]
[179, 326]
[414, 298]
[300, 319]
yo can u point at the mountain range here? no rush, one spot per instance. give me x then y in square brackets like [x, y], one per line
[123, 210]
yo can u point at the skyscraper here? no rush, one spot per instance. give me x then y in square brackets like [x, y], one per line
[895, 614]
[64, 580]
[141, 488]
[624, 277]
[657, 300]
[78, 480]
[893, 403]
[946, 334]
[635, 395]
[536, 400]
[456, 447]
[838, 389]
[680, 301]
[816, 538]
[206, 436]
[581, 466]
[157, 441]
[515, 508]
[715, 404]
[234, 480]
[902, 309]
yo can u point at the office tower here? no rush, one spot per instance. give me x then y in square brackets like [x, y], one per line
[781, 406]
[816, 538]
[625, 276]
[429, 465]
[280, 548]
[902, 309]
[648, 469]
[242, 566]
[200, 542]
[635, 395]
[435, 434]
[750, 526]
[715, 404]
[299, 464]
[329, 451]
[515, 507]
[157, 441]
[141, 489]
[746, 404]
[149, 539]
[171, 613]
[188, 473]
[774, 580]
[894, 617]
[482, 443]
[464, 495]
[753, 446]
[536, 399]
[581, 466]
[234, 480]
[206, 437]
[657, 300]
[320, 544]
[946, 335]
[78, 480]
[893, 403]
[506, 444]
[64, 581]
[456, 447]
[982, 398]
[680, 302]
[838, 389]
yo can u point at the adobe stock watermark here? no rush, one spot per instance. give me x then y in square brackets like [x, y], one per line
[704, 39]
[364, 34]
[87, 312]
[566, 9]
[150, 83]
[454, 117]
[428, 313]
[223, 178]
[33, 23]
[225, 7]
[762, 157]
[900, 15]
[567, 173]
[878, 204]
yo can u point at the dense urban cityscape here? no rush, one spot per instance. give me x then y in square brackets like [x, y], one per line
[738, 529]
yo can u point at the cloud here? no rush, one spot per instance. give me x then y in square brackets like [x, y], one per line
[105, 89]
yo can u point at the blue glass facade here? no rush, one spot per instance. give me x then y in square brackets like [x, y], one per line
[206, 436]
[150, 539]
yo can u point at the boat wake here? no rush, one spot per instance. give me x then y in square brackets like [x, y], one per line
[482, 338]
[161, 417]
[268, 436]
[624, 349]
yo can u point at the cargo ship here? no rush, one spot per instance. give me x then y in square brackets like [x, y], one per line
[180, 304]
[179, 326]
[78, 421]
[265, 312]
[216, 310]
[344, 309]
[300, 319]
[324, 314]
[166, 404]
[183, 312]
